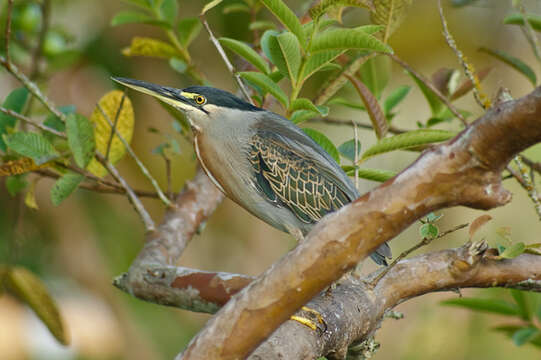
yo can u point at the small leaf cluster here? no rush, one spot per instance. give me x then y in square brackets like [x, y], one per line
[180, 34]
[81, 138]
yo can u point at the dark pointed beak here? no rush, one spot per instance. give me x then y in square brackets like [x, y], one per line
[166, 94]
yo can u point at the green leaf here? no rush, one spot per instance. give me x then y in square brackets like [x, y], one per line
[512, 61]
[178, 65]
[524, 335]
[33, 292]
[346, 39]
[495, 306]
[432, 217]
[54, 121]
[14, 101]
[80, 134]
[317, 61]
[429, 231]
[15, 184]
[306, 104]
[286, 17]
[144, 4]
[522, 303]
[246, 52]
[347, 149]
[188, 29]
[134, 17]
[407, 140]
[265, 83]
[436, 105]
[169, 10]
[237, 7]
[291, 54]
[370, 174]
[375, 74]
[395, 98]
[302, 115]
[210, 5]
[517, 19]
[64, 186]
[261, 25]
[32, 145]
[324, 142]
[347, 103]
[513, 251]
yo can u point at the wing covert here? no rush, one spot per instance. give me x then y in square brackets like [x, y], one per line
[288, 178]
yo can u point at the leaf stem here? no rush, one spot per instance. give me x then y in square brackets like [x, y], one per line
[228, 64]
[423, 242]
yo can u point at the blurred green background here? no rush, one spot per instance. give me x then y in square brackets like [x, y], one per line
[78, 247]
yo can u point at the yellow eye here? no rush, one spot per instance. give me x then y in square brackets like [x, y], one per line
[200, 100]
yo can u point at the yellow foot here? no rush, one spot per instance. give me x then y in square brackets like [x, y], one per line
[310, 323]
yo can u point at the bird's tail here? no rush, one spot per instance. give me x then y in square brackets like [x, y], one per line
[384, 251]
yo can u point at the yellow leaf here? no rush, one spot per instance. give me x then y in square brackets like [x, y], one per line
[31, 290]
[110, 104]
[19, 166]
[390, 13]
[143, 46]
[30, 197]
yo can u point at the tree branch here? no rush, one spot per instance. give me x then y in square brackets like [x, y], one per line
[464, 171]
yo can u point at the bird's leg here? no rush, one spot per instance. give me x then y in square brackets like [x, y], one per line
[297, 234]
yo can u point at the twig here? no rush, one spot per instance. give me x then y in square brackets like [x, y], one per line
[340, 80]
[113, 126]
[334, 121]
[525, 180]
[142, 167]
[168, 176]
[8, 30]
[480, 97]
[226, 60]
[423, 242]
[428, 84]
[529, 32]
[99, 187]
[138, 206]
[536, 166]
[45, 7]
[356, 157]
[30, 122]
[32, 87]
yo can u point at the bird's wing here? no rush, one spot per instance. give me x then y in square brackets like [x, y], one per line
[293, 170]
[285, 175]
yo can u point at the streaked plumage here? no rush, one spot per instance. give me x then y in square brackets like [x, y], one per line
[261, 160]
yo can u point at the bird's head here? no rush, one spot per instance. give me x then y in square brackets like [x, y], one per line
[202, 105]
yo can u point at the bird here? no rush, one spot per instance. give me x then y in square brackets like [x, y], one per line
[260, 159]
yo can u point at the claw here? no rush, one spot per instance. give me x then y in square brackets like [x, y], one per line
[308, 322]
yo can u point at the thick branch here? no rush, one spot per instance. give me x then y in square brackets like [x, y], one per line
[464, 171]
[164, 246]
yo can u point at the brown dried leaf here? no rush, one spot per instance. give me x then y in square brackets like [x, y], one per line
[441, 78]
[379, 122]
[478, 223]
[467, 85]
